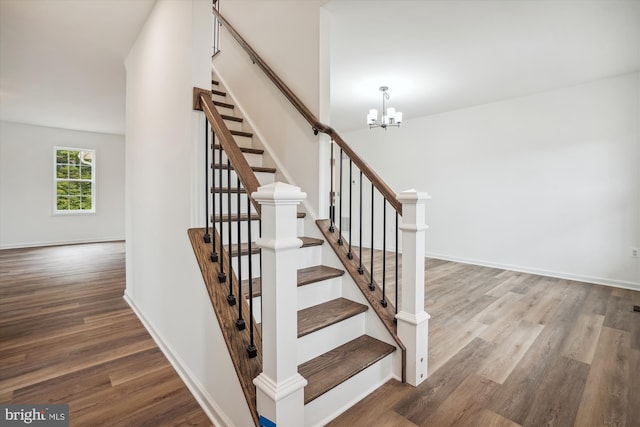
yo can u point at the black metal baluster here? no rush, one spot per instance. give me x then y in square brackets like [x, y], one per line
[240, 324]
[251, 348]
[207, 236]
[394, 319]
[214, 253]
[350, 253]
[231, 299]
[340, 241]
[222, 277]
[332, 207]
[360, 268]
[371, 285]
[384, 252]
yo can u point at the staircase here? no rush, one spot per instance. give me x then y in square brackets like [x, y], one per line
[344, 350]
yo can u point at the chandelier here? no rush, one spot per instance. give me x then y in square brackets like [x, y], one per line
[389, 115]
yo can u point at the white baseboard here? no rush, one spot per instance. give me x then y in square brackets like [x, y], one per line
[541, 272]
[59, 242]
[204, 399]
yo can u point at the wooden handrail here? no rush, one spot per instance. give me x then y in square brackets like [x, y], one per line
[202, 101]
[316, 125]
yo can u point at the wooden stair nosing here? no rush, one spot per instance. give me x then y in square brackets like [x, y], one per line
[241, 133]
[317, 273]
[386, 314]
[215, 82]
[245, 149]
[262, 169]
[218, 92]
[338, 365]
[245, 217]
[231, 118]
[244, 247]
[320, 316]
[223, 105]
[322, 272]
[225, 190]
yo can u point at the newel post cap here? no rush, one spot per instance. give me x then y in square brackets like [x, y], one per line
[413, 196]
[278, 191]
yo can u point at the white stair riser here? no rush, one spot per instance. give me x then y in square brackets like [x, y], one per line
[220, 98]
[326, 339]
[255, 268]
[233, 125]
[255, 233]
[224, 110]
[257, 309]
[264, 178]
[310, 256]
[244, 203]
[319, 292]
[252, 159]
[320, 411]
[243, 141]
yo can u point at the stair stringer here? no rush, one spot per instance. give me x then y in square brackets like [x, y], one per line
[270, 158]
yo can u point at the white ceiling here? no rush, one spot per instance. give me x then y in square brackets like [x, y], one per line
[62, 61]
[439, 56]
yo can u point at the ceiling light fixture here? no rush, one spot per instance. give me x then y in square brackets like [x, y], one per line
[389, 115]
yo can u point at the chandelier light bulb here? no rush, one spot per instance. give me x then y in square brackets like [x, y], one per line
[389, 115]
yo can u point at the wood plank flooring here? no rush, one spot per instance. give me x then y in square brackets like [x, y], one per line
[68, 336]
[514, 349]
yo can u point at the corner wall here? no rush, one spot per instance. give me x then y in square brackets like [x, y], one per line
[27, 196]
[547, 183]
[164, 160]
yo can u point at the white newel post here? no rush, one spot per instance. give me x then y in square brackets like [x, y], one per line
[279, 388]
[413, 320]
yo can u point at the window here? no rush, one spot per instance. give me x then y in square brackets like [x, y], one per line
[74, 180]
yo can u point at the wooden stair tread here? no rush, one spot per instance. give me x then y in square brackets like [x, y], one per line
[317, 273]
[326, 314]
[244, 247]
[310, 241]
[338, 365]
[218, 92]
[225, 190]
[256, 287]
[223, 105]
[234, 217]
[245, 149]
[225, 166]
[215, 82]
[231, 118]
[386, 314]
[241, 133]
[245, 217]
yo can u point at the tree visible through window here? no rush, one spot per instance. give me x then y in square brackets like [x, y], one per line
[75, 179]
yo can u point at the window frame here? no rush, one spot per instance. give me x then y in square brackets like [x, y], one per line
[56, 180]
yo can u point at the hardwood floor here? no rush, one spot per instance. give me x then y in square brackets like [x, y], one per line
[506, 349]
[68, 336]
[514, 349]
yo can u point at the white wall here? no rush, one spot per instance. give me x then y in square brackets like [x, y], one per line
[27, 193]
[286, 34]
[547, 183]
[164, 146]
